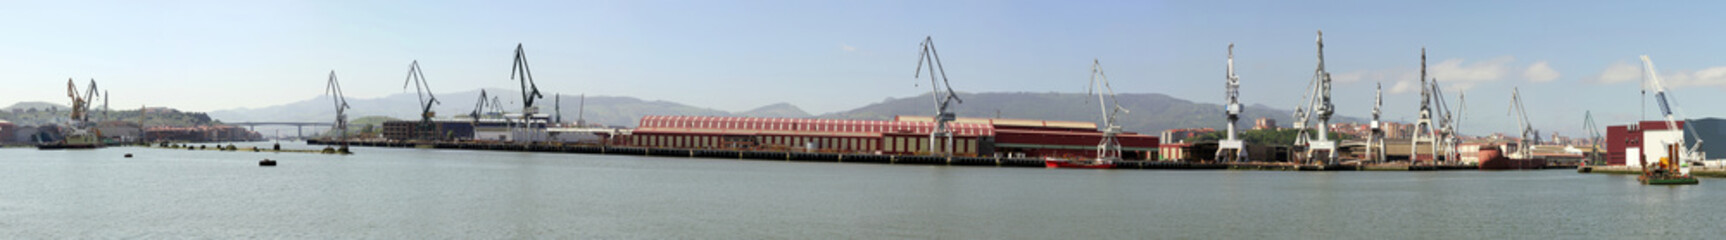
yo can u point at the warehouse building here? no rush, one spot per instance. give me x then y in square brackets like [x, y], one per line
[903, 135]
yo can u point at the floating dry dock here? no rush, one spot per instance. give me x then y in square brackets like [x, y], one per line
[798, 156]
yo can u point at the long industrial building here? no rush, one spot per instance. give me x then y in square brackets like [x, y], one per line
[903, 135]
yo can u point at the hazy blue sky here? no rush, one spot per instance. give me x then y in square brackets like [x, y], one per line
[1567, 56]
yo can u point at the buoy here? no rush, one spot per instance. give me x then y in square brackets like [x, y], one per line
[267, 162]
[128, 155]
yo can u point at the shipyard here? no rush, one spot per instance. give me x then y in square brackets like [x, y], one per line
[1431, 142]
[532, 119]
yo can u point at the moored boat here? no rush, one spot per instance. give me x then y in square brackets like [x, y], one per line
[1075, 163]
[1493, 159]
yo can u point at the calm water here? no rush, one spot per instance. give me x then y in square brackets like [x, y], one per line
[415, 193]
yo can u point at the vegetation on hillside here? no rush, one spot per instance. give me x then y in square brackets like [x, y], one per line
[149, 117]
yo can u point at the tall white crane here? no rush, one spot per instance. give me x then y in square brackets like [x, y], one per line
[1375, 139]
[1673, 114]
[1321, 150]
[334, 89]
[942, 91]
[1424, 130]
[1445, 129]
[1109, 149]
[1232, 149]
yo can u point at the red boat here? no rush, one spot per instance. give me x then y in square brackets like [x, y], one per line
[1491, 158]
[1071, 163]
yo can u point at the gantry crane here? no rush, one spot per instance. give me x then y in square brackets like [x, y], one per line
[334, 89]
[529, 91]
[1109, 148]
[1232, 149]
[1524, 148]
[1321, 150]
[1445, 129]
[1593, 138]
[942, 91]
[1375, 139]
[1424, 130]
[426, 129]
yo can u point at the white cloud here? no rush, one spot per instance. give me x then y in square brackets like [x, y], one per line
[847, 48]
[1463, 77]
[1404, 86]
[1452, 74]
[1707, 77]
[1624, 71]
[1620, 71]
[1540, 72]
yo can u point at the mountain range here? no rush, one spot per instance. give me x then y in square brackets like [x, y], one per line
[1148, 112]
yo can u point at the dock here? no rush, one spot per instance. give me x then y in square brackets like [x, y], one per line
[865, 158]
[1712, 172]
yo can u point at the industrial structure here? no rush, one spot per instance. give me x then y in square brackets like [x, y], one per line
[942, 91]
[1108, 148]
[1647, 143]
[334, 89]
[903, 135]
[1375, 136]
[530, 127]
[1322, 150]
[425, 129]
[1231, 149]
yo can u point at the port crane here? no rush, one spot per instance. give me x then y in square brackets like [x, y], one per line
[416, 78]
[1323, 149]
[1445, 132]
[1593, 137]
[1672, 114]
[1524, 149]
[529, 91]
[334, 89]
[942, 91]
[1375, 139]
[1424, 128]
[1109, 149]
[79, 127]
[80, 102]
[1232, 149]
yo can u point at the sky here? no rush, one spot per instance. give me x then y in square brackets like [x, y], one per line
[1567, 58]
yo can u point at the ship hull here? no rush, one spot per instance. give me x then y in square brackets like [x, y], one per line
[1062, 163]
[1493, 159]
[57, 146]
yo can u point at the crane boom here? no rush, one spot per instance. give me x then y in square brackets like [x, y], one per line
[943, 99]
[1666, 109]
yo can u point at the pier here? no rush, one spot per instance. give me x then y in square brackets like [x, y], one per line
[865, 158]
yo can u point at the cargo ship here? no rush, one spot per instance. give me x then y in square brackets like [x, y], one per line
[76, 139]
[1493, 158]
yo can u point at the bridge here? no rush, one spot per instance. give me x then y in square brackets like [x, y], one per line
[299, 127]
